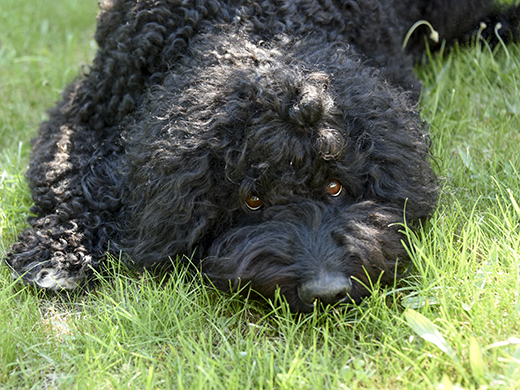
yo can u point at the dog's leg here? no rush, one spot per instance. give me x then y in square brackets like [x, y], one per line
[73, 173]
[74, 185]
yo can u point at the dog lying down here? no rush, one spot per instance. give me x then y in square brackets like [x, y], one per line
[278, 141]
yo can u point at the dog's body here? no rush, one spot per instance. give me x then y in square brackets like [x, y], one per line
[278, 142]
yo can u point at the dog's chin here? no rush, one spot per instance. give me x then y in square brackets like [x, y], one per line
[311, 254]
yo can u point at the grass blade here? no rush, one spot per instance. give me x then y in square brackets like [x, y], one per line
[429, 332]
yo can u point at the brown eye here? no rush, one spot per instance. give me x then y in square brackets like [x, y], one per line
[334, 188]
[253, 202]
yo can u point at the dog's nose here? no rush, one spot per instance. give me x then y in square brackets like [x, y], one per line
[328, 288]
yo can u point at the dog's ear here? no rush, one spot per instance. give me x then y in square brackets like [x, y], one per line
[179, 196]
[396, 165]
[171, 206]
[388, 145]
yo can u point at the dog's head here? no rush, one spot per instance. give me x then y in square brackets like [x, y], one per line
[283, 171]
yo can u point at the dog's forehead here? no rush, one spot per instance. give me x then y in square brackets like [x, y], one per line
[288, 119]
[283, 153]
[282, 177]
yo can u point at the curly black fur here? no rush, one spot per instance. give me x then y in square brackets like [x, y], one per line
[193, 106]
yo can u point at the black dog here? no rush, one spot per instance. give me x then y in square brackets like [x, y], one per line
[276, 141]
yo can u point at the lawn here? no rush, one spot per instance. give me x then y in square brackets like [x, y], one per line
[453, 323]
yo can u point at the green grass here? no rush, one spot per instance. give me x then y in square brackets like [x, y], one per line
[454, 323]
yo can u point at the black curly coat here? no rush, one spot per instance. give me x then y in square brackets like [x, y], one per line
[278, 142]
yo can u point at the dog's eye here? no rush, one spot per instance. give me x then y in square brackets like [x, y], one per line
[334, 188]
[253, 202]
